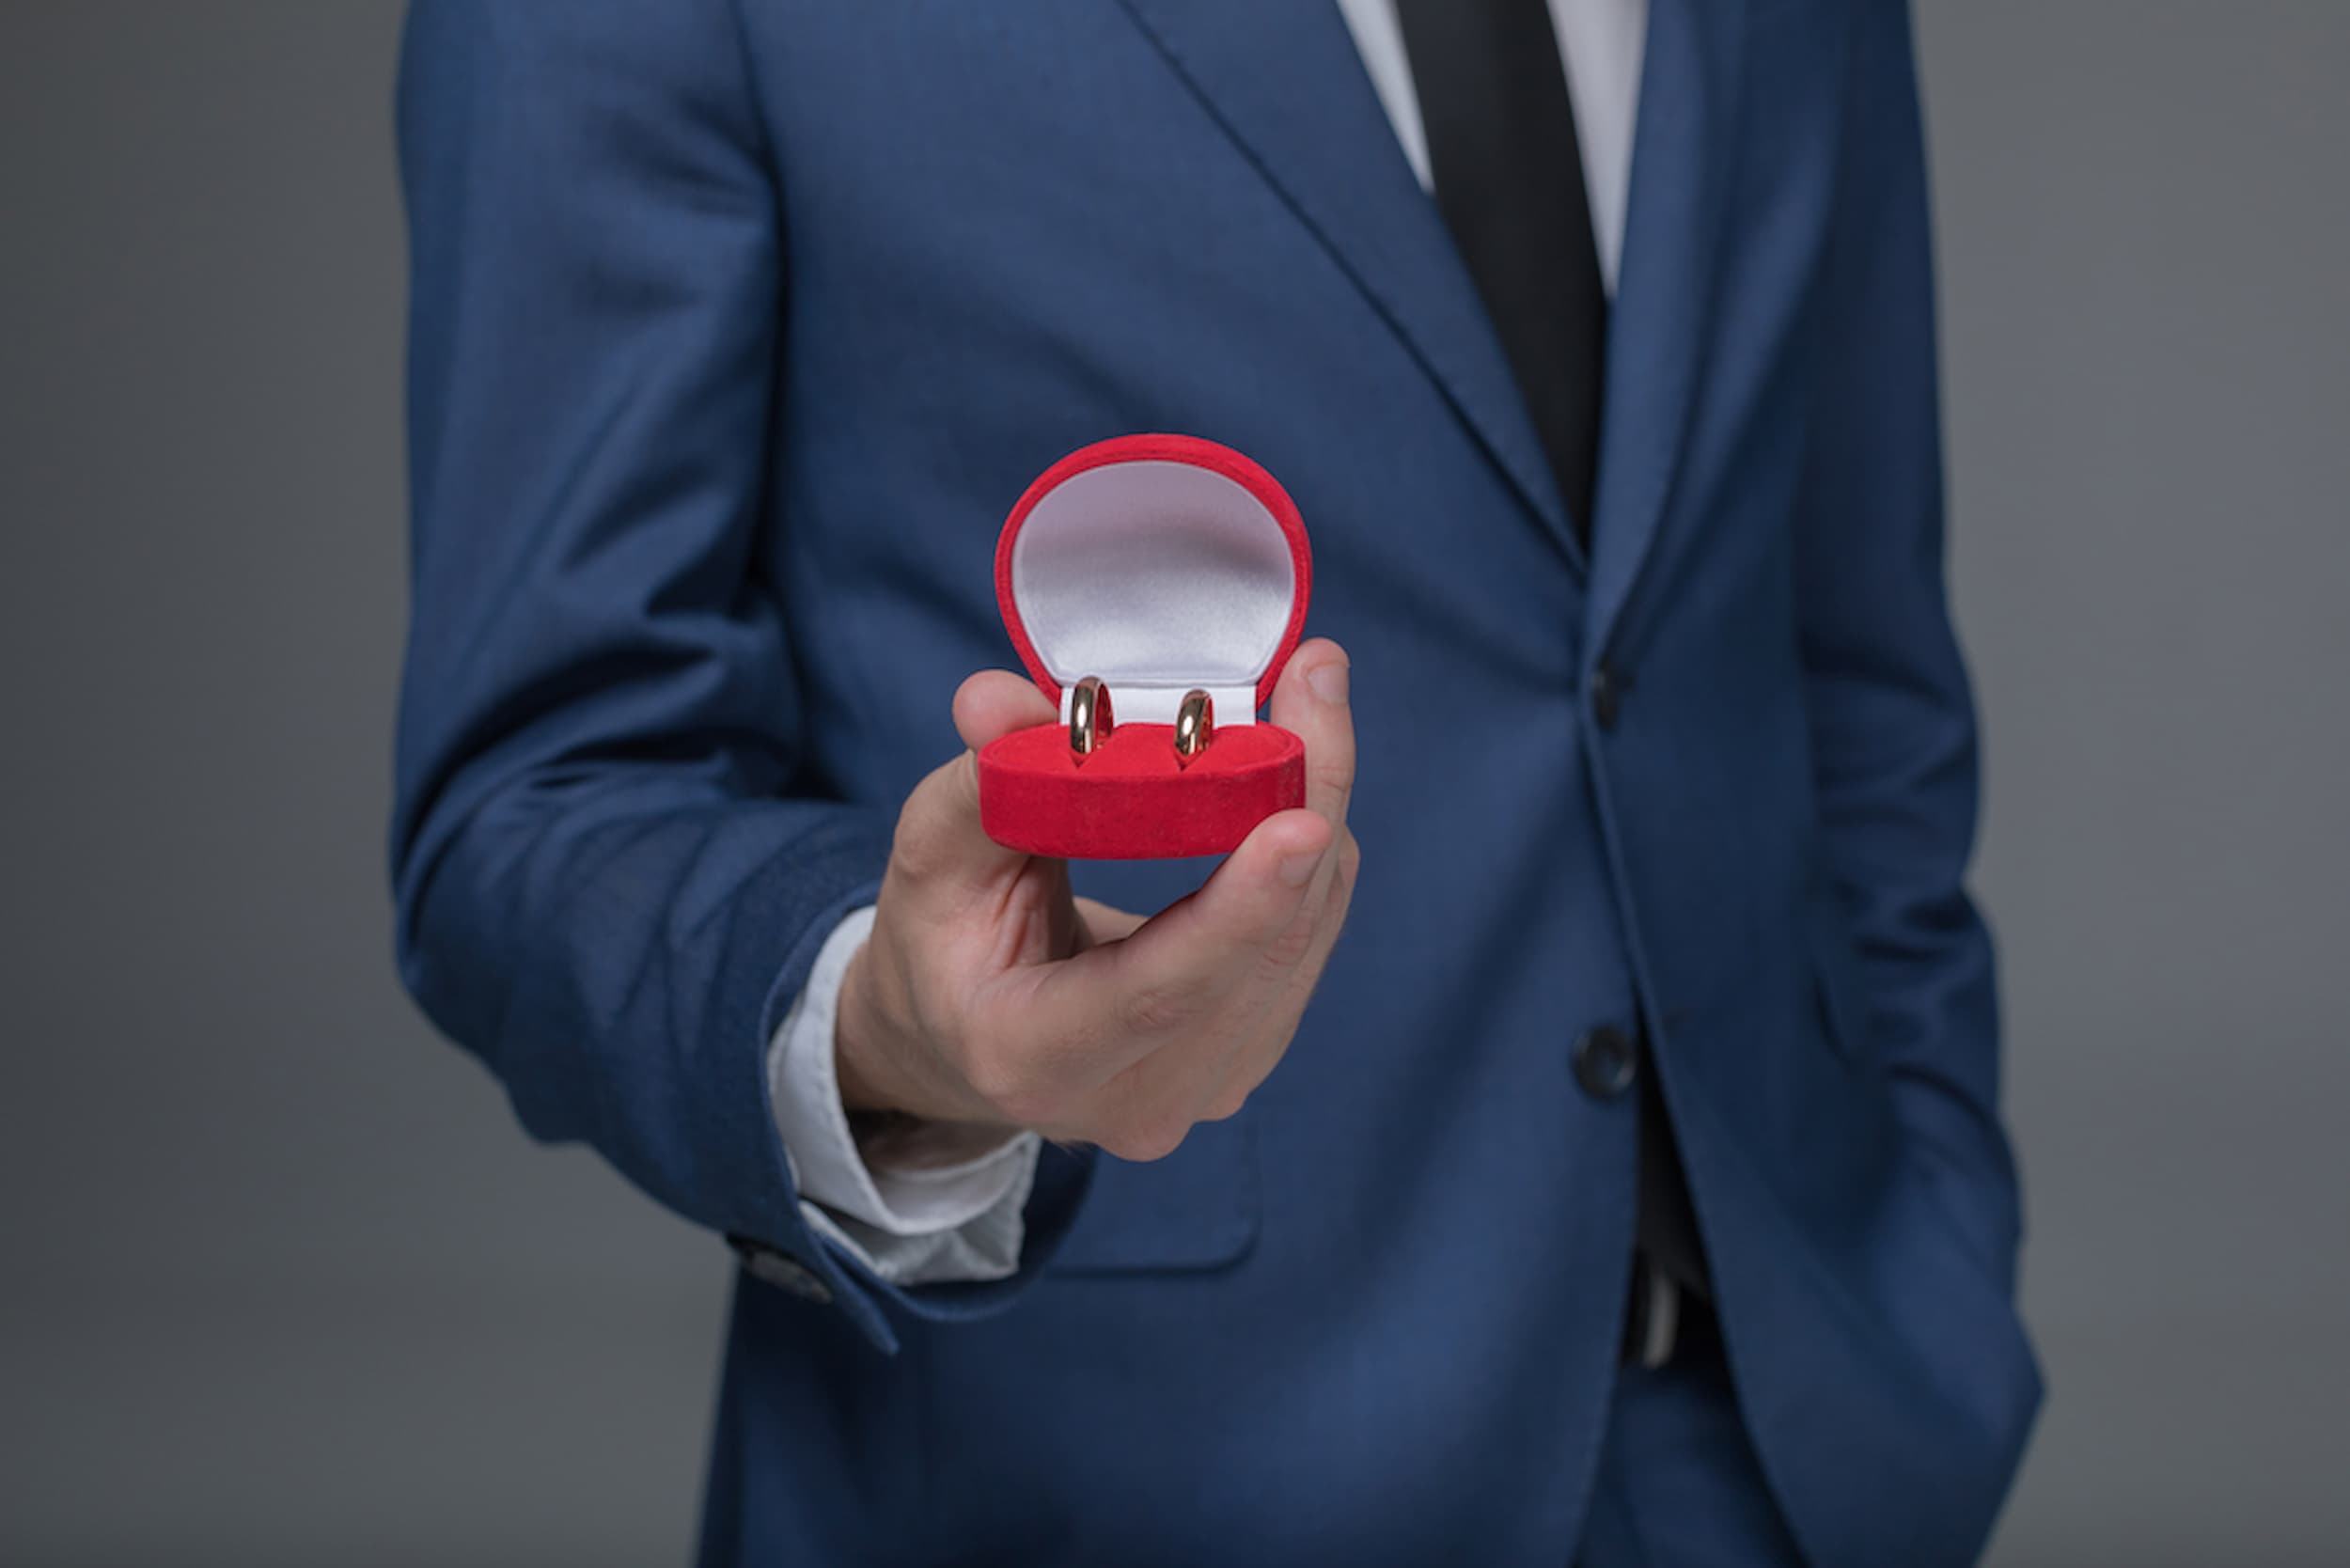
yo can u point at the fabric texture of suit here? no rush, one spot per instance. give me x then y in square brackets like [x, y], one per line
[735, 333]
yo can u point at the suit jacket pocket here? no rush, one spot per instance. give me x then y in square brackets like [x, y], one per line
[1955, 1308]
[1841, 993]
[1197, 1209]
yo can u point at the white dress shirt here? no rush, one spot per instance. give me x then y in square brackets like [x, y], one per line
[962, 1222]
[911, 1226]
[1603, 43]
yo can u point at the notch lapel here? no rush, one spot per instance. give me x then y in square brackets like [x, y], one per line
[1666, 293]
[1285, 83]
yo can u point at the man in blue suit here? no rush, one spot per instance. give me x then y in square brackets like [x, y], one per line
[1633, 1189]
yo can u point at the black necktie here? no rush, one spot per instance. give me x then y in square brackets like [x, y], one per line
[1509, 178]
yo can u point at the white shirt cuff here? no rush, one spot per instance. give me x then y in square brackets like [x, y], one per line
[910, 1226]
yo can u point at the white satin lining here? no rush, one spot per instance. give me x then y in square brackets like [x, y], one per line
[1141, 704]
[1158, 577]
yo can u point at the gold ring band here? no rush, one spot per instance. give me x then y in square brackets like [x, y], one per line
[1195, 726]
[1089, 721]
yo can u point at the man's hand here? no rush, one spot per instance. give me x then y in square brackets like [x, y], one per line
[989, 996]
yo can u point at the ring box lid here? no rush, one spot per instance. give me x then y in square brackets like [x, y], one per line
[1160, 564]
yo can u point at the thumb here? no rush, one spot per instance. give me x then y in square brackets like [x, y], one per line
[939, 836]
[994, 703]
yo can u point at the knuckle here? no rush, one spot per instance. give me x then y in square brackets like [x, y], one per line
[1343, 880]
[1335, 766]
[1292, 944]
[1227, 1105]
[1146, 1139]
[922, 843]
[1010, 1087]
[1030, 1108]
[911, 846]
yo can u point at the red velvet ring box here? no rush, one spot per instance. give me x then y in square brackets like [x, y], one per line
[1159, 564]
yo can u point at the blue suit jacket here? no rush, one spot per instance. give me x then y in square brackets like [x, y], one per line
[737, 331]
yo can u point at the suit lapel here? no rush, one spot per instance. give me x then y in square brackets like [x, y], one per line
[1285, 83]
[1664, 297]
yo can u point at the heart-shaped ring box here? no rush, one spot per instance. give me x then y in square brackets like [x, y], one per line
[1160, 564]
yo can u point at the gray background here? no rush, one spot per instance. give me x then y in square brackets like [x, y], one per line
[281, 1282]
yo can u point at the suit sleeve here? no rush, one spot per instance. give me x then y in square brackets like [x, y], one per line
[613, 863]
[1891, 719]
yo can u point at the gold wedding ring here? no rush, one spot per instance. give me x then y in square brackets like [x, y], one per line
[1195, 726]
[1089, 721]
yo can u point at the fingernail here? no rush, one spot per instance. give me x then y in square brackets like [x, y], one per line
[1298, 869]
[1329, 681]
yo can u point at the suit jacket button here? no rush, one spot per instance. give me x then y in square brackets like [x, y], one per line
[786, 1274]
[1607, 688]
[1605, 1062]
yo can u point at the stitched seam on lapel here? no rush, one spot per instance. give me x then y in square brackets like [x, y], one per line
[1665, 480]
[1626, 632]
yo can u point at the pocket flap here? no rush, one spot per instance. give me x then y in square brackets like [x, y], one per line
[1197, 1209]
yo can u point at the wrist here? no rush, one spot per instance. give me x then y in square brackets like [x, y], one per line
[865, 1082]
[877, 1067]
[898, 1142]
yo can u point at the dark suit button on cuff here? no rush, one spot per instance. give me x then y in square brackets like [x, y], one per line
[788, 1274]
[1605, 1062]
